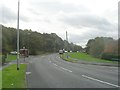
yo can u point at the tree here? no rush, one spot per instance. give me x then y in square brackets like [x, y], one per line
[36, 42]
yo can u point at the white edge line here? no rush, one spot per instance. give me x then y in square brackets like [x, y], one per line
[100, 81]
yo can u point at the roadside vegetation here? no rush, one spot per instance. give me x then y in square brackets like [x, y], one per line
[11, 78]
[0, 79]
[0, 59]
[38, 43]
[75, 56]
[104, 48]
[64, 57]
[11, 58]
[7, 58]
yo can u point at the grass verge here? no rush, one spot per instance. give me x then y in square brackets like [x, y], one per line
[0, 59]
[11, 58]
[64, 57]
[0, 79]
[85, 57]
[12, 78]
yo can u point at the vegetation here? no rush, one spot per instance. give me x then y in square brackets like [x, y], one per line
[11, 57]
[103, 47]
[0, 79]
[37, 43]
[64, 57]
[11, 78]
[0, 59]
[89, 58]
[7, 58]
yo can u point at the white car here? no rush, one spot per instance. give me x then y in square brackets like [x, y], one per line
[13, 53]
[60, 51]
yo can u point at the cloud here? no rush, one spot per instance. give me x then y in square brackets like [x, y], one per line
[9, 16]
[89, 21]
[55, 7]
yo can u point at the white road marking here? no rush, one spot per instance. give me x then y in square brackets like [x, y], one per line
[62, 68]
[55, 64]
[100, 81]
[66, 69]
[28, 73]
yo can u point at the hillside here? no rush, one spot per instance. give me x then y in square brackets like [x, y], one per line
[36, 42]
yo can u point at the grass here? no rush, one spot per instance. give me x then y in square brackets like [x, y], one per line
[88, 58]
[64, 56]
[0, 79]
[11, 58]
[0, 58]
[12, 78]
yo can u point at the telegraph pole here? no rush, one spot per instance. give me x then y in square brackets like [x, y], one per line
[18, 37]
[66, 36]
[66, 43]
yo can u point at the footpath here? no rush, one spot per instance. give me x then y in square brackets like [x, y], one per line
[21, 61]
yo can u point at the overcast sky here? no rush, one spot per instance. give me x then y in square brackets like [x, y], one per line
[82, 19]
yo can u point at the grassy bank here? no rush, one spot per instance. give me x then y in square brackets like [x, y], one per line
[0, 79]
[11, 78]
[85, 57]
[64, 56]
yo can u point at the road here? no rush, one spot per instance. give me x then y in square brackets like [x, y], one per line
[50, 71]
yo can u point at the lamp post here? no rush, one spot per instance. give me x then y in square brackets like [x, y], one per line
[18, 38]
[66, 43]
[28, 43]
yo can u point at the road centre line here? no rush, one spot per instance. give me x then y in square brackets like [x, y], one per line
[62, 67]
[66, 69]
[55, 64]
[100, 81]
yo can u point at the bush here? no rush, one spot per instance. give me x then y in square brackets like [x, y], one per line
[109, 56]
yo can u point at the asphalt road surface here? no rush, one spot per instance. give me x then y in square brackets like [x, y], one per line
[50, 71]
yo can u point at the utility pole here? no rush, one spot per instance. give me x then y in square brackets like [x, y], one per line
[18, 37]
[66, 36]
[66, 43]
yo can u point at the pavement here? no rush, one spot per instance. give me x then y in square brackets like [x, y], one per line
[50, 71]
[21, 61]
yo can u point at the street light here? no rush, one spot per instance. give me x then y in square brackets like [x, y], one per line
[66, 43]
[18, 38]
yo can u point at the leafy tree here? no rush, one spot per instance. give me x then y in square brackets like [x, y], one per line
[36, 42]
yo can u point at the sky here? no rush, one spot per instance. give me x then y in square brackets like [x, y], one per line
[82, 19]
